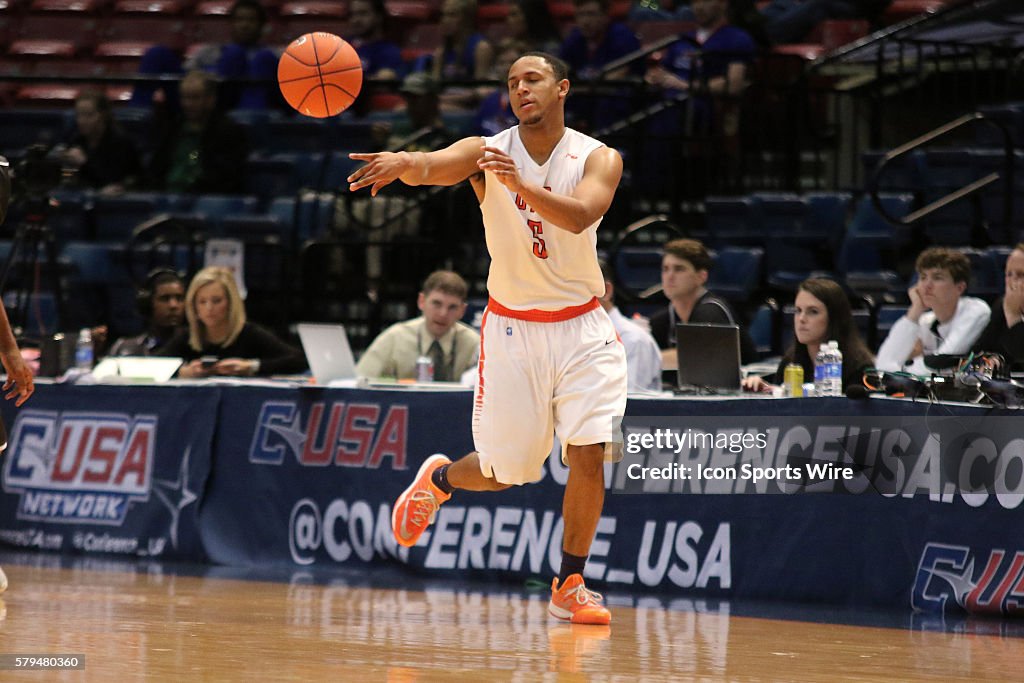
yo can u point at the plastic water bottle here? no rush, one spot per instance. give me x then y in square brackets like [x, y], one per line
[835, 369]
[821, 361]
[83, 350]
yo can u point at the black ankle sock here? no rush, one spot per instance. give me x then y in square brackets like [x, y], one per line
[440, 479]
[571, 564]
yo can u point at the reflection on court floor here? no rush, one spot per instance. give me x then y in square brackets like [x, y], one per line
[187, 623]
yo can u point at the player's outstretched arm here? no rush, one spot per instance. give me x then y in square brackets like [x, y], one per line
[576, 212]
[446, 166]
[19, 378]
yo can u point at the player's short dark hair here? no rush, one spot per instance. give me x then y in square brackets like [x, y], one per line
[950, 260]
[690, 250]
[448, 282]
[558, 67]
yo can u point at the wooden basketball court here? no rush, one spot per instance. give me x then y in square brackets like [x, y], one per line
[150, 623]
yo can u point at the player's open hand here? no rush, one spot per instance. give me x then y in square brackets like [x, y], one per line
[380, 169]
[502, 166]
[19, 378]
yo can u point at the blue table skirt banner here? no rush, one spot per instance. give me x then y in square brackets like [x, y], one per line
[105, 469]
[869, 503]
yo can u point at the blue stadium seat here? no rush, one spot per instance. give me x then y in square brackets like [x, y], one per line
[354, 136]
[868, 223]
[733, 220]
[948, 168]
[255, 123]
[338, 168]
[637, 268]
[902, 175]
[1011, 116]
[20, 128]
[736, 272]
[95, 262]
[241, 226]
[298, 135]
[69, 215]
[986, 278]
[308, 168]
[827, 213]
[953, 224]
[271, 177]
[763, 330]
[999, 255]
[116, 217]
[216, 206]
[879, 284]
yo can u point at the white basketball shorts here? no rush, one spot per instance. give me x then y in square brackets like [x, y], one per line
[542, 375]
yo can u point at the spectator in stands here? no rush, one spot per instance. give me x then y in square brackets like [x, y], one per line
[219, 341]
[595, 42]
[940, 320]
[495, 112]
[453, 346]
[684, 272]
[710, 67]
[103, 156]
[822, 314]
[161, 303]
[243, 57]
[643, 357]
[464, 54]
[202, 151]
[381, 58]
[424, 129]
[1005, 331]
[789, 21]
[713, 59]
[529, 22]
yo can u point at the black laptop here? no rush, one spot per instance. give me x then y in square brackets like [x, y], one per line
[709, 358]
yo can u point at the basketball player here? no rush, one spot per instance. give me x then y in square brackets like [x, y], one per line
[550, 361]
[19, 378]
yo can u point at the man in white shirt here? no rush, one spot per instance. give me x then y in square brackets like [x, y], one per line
[643, 357]
[940, 320]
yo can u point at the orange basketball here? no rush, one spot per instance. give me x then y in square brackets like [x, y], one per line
[320, 74]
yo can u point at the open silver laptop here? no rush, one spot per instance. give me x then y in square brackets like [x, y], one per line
[327, 352]
[709, 358]
[118, 369]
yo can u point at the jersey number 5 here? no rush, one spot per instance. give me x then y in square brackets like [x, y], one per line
[540, 250]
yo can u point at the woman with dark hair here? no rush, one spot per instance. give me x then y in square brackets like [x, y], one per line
[103, 156]
[822, 314]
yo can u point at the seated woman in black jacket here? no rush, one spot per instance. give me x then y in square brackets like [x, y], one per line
[822, 314]
[217, 328]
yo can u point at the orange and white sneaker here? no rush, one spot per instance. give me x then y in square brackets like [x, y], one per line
[572, 602]
[415, 509]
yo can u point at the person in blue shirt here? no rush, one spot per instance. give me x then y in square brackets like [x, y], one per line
[595, 42]
[710, 66]
[242, 58]
[381, 58]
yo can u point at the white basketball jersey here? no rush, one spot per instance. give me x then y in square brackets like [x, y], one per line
[535, 264]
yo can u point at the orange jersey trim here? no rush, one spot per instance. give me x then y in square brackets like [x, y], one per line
[537, 316]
